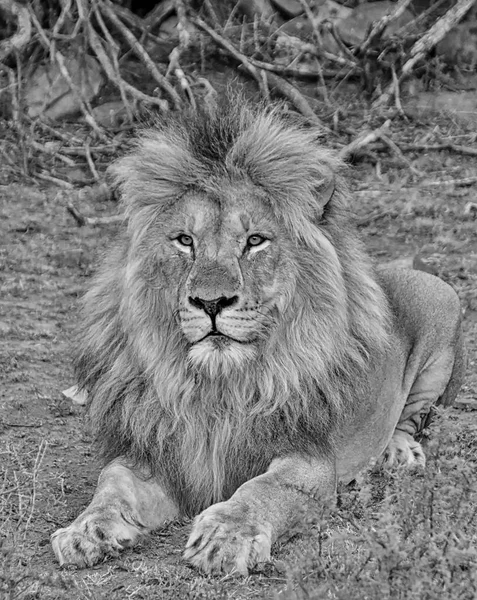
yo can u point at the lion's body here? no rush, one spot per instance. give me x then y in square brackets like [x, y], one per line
[238, 347]
[415, 371]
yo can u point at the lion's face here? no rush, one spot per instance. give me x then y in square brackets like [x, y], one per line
[226, 257]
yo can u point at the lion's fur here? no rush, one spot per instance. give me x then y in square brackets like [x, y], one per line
[204, 435]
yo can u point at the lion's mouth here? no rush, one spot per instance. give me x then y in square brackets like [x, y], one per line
[218, 337]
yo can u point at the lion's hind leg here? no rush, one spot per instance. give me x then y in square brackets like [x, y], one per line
[437, 383]
[127, 504]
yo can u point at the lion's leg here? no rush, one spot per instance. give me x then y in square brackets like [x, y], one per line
[438, 382]
[237, 534]
[126, 505]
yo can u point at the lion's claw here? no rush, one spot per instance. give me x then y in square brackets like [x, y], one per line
[90, 539]
[225, 539]
[403, 449]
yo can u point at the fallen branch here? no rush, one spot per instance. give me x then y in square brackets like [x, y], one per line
[297, 73]
[398, 152]
[290, 92]
[100, 192]
[457, 182]
[379, 26]
[58, 182]
[52, 151]
[432, 37]
[81, 220]
[376, 216]
[443, 146]
[370, 193]
[363, 140]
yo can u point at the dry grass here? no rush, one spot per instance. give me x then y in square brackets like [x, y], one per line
[396, 534]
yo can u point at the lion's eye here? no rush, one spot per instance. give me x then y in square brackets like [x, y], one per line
[256, 240]
[185, 240]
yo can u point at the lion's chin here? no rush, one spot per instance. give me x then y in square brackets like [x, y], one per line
[220, 355]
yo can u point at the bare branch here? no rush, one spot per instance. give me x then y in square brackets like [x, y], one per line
[141, 53]
[432, 37]
[23, 35]
[378, 28]
[226, 45]
[363, 140]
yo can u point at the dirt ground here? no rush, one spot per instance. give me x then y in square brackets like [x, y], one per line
[47, 464]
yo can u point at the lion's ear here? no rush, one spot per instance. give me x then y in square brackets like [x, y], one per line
[324, 192]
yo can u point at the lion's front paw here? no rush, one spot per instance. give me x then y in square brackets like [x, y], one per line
[91, 538]
[225, 538]
[404, 450]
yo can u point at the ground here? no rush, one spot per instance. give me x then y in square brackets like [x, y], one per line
[396, 535]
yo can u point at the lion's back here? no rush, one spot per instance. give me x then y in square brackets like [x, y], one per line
[425, 309]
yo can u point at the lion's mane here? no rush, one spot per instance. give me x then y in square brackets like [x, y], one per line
[202, 435]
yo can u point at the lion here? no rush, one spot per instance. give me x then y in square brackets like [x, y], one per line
[240, 351]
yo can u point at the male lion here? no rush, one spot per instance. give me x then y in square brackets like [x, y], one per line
[239, 351]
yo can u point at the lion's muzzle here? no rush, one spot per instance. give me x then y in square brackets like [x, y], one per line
[213, 307]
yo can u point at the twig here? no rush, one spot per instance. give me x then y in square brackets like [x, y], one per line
[52, 152]
[113, 47]
[141, 53]
[80, 151]
[33, 425]
[370, 193]
[36, 469]
[60, 21]
[89, 160]
[23, 35]
[319, 42]
[296, 98]
[14, 92]
[85, 105]
[66, 137]
[174, 65]
[59, 182]
[162, 11]
[364, 140]
[241, 58]
[61, 62]
[397, 92]
[378, 28]
[81, 220]
[432, 37]
[99, 192]
[337, 37]
[308, 48]
[457, 182]
[113, 74]
[443, 146]
[397, 150]
[374, 217]
[277, 83]
[184, 36]
[293, 72]
[470, 208]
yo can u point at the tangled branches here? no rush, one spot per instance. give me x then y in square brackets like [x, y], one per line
[149, 71]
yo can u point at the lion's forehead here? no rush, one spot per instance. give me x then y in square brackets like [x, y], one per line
[233, 214]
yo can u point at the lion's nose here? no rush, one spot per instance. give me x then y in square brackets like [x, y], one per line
[213, 307]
